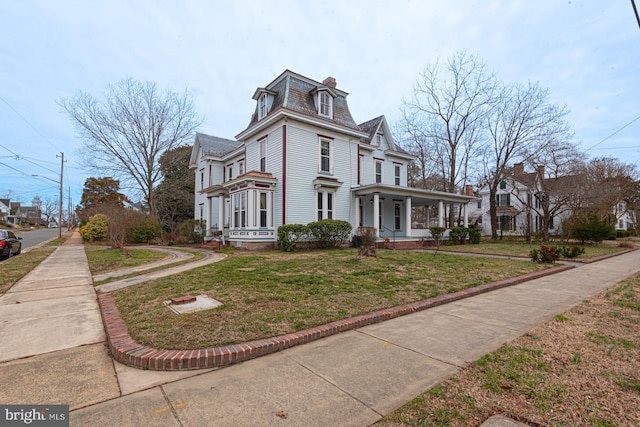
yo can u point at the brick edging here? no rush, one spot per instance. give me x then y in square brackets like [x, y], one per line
[129, 352]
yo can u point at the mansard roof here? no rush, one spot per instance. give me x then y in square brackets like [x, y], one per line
[295, 92]
[216, 146]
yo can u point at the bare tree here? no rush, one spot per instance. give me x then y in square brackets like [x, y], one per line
[522, 124]
[608, 182]
[126, 132]
[552, 189]
[50, 208]
[444, 117]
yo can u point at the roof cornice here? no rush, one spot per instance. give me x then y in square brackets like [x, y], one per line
[282, 112]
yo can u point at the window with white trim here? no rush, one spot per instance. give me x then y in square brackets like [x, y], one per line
[326, 156]
[263, 209]
[230, 171]
[324, 204]
[263, 155]
[396, 215]
[241, 167]
[378, 171]
[397, 171]
[262, 106]
[325, 104]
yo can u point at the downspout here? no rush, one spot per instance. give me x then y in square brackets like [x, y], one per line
[284, 172]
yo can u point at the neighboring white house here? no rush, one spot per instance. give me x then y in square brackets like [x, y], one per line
[303, 158]
[518, 206]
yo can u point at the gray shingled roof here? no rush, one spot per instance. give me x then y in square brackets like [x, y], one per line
[295, 92]
[215, 146]
[371, 127]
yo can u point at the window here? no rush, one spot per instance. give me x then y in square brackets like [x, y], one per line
[479, 204]
[503, 199]
[326, 158]
[397, 170]
[326, 104]
[236, 210]
[324, 205]
[230, 171]
[241, 167]
[243, 209]
[360, 165]
[379, 139]
[201, 179]
[263, 210]
[506, 223]
[378, 171]
[263, 155]
[262, 106]
[503, 185]
[396, 215]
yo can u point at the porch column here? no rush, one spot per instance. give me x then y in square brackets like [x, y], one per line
[376, 213]
[440, 213]
[221, 212]
[356, 203]
[207, 216]
[466, 215]
[427, 216]
[408, 215]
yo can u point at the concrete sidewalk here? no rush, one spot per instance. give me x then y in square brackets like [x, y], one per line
[53, 351]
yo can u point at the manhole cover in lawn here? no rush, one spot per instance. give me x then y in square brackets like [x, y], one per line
[201, 302]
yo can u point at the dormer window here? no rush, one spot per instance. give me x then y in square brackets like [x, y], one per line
[262, 106]
[326, 104]
[265, 100]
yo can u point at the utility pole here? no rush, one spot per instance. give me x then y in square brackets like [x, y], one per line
[60, 207]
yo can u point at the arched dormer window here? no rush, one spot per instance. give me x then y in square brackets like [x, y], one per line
[325, 104]
[265, 99]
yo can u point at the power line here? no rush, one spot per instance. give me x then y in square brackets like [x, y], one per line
[28, 123]
[29, 159]
[633, 3]
[613, 134]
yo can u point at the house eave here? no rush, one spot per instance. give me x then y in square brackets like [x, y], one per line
[282, 112]
[411, 192]
[399, 155]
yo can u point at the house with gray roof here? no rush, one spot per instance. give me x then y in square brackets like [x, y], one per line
[303, 158]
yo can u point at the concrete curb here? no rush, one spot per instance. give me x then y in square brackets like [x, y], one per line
[129, 352]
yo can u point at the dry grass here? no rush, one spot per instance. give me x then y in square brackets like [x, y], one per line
[270, 293]
[522, 248]
[580, 369]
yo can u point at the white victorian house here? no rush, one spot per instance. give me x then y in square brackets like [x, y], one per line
[303, 158]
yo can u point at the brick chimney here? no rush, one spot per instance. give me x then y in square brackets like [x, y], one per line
[518, 169]
[540, 169]
[468, 190]
[330, 82]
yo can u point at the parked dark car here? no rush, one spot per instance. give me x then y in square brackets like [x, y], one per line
[10, 245]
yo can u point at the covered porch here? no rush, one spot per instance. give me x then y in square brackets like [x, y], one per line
[388, 209]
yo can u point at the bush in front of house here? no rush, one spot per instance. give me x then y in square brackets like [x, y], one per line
[570, 251]
[96, 229]
[330, 233]
[475, 234]
[544, 255]
[457, 235]
[193, 230]
[146, 230]
[588, 226]
[365, 241]
[292, 236]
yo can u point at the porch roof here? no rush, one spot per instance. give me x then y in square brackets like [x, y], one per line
[419, 196]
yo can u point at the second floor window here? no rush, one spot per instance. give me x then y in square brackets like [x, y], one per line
[263, 155]
[503, 199]
[326, 157]
[396, 172]
[230, 171]
[240, 167]
[378, 171]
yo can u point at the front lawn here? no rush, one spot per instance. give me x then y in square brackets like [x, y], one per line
[271, 293]
[522, 249]
[103, 259]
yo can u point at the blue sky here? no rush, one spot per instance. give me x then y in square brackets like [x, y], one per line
[586, 52]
